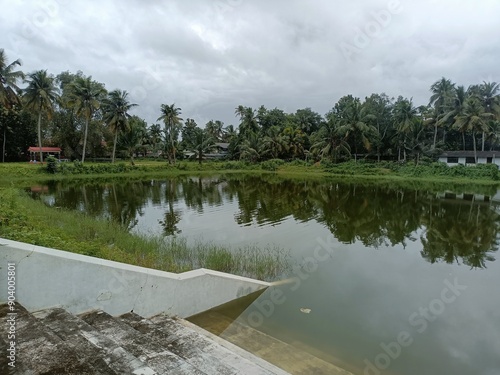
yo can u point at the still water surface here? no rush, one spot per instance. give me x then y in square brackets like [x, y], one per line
[372, 264]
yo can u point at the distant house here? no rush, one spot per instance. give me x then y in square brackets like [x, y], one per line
[219, 151]
[452, 158]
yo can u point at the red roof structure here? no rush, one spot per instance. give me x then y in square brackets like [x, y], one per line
[44, 149]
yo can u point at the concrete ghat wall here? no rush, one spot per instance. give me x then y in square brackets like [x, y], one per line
[47, 278]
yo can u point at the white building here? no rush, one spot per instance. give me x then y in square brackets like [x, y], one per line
[453, 158]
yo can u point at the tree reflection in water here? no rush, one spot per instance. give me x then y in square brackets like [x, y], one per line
[460, 232]
[452, 231]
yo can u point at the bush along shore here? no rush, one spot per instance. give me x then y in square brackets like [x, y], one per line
[23, 219]
[481, 173]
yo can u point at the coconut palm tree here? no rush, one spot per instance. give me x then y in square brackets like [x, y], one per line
[170, 117]
[456, 109]
[200, 143]
[354, 124]
[133, 138]
[215, 129]
[329, 144]
[115, 113]
[251, 148]
[490, 98]
[229, 133]
[85, 98]
[474, 119]
[248, 120]
[295, 141]
[274, 143]
[415, 141]
[8, 88]
[154, 137]
[307, 120]
[442, 95]
[404, 115]
[380, 106]
[187, 132]
[490, 92]
[40, 95]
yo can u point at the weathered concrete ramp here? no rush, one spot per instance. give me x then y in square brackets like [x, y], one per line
[53, 341]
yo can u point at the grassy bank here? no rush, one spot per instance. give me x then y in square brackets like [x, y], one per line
[13, 174]
[23, 219]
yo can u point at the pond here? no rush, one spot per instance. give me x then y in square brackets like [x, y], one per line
[385, 279]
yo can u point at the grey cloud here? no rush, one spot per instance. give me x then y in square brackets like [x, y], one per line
[209, 57]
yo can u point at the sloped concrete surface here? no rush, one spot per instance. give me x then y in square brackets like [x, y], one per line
[55, 342]
[284, 355]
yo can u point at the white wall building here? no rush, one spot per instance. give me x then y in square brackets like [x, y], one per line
[453, 158]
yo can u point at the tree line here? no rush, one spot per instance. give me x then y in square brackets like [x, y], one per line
[80, 115]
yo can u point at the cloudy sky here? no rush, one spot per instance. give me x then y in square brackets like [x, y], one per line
[209, 56]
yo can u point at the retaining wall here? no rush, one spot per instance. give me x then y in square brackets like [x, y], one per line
[47, 277]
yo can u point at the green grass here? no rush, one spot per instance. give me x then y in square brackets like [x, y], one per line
[20, 174]
[23, 219]
[399, 172]
[15, 174]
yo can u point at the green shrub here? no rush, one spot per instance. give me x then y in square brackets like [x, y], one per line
[51, 164]
[300, 163]
[272, 165]
[235, 165]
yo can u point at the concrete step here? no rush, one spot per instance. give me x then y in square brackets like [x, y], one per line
[39, 350]
[148, 346]
[153, 352]
[100, 351]
[55, 342]
[292, 359]
[4, 367]
[207, 355]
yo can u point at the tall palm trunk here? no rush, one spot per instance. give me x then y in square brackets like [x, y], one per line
[171, 151]
[172, 142]
[85, 139]
[435, 135]
[378, 142]
[474, 142]
[3, 146]
[482, 141]
[40, 133]
[114, 146]
[463, 139]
